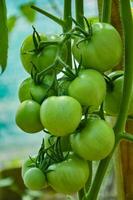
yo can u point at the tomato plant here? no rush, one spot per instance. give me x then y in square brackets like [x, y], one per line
[102, 51]
[58, 104]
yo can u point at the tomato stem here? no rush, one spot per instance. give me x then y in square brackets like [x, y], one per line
[100, 173]
[49, 15]
[128, 75]
[106, 11]
[79, 9]
[67, 27]
[127, 136]
[128, 82]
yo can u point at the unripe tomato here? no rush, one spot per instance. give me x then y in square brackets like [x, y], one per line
[95, 141]
[45, 57]
[34, 179]
[28, 117]
[68, 176]
[24, 90]
[103, 51]
[27, 164]
[114, 95]
[26, 53]
[89, 88]
[60, 115]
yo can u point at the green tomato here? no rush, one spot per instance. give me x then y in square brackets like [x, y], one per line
[38, 92]
[60, 115]
[103, 51]
[45, 57]
[24, 90]
[26, 53]
[28, 117]
[114, 95]
[34, 179]
[27, 164]
[89, 88]
[95, 141]
[68, 176]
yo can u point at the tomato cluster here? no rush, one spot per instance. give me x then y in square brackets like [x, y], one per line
[68, 103]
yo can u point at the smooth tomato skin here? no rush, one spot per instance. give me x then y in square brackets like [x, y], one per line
[103, 51]
[34, 179]
[60, 115]
[68, 176]
[89, 88]
[95, 141]
[43, 59]
[24, 90]
[113, 97]
[28, 117]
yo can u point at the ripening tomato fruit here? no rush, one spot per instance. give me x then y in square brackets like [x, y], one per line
[60, 115]
[114, 95]
[28, 117]
[68, 176]
[24, 90]
[103, 51]
[89, 88]
[34, 179]
[27, 164]
[44, 57]
[95, 141]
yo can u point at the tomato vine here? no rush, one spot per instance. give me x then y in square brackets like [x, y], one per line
[63, 115]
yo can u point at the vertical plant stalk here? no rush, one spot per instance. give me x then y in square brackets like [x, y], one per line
[67, 27]
[79, 10]
[128, 81]
[99, 3]
[128, 64]
[106, 11]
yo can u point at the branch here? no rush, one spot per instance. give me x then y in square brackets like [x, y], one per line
[47, 14]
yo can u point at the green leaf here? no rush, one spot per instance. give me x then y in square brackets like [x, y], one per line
[27, 12]
[11, 22]
[3, 35]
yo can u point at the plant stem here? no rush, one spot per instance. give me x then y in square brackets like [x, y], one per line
[106, 11]
[127, 136]
[128, 82]
[49, 15]
[79, 5]
[100, 173]
[67, 27]
[128, 75]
